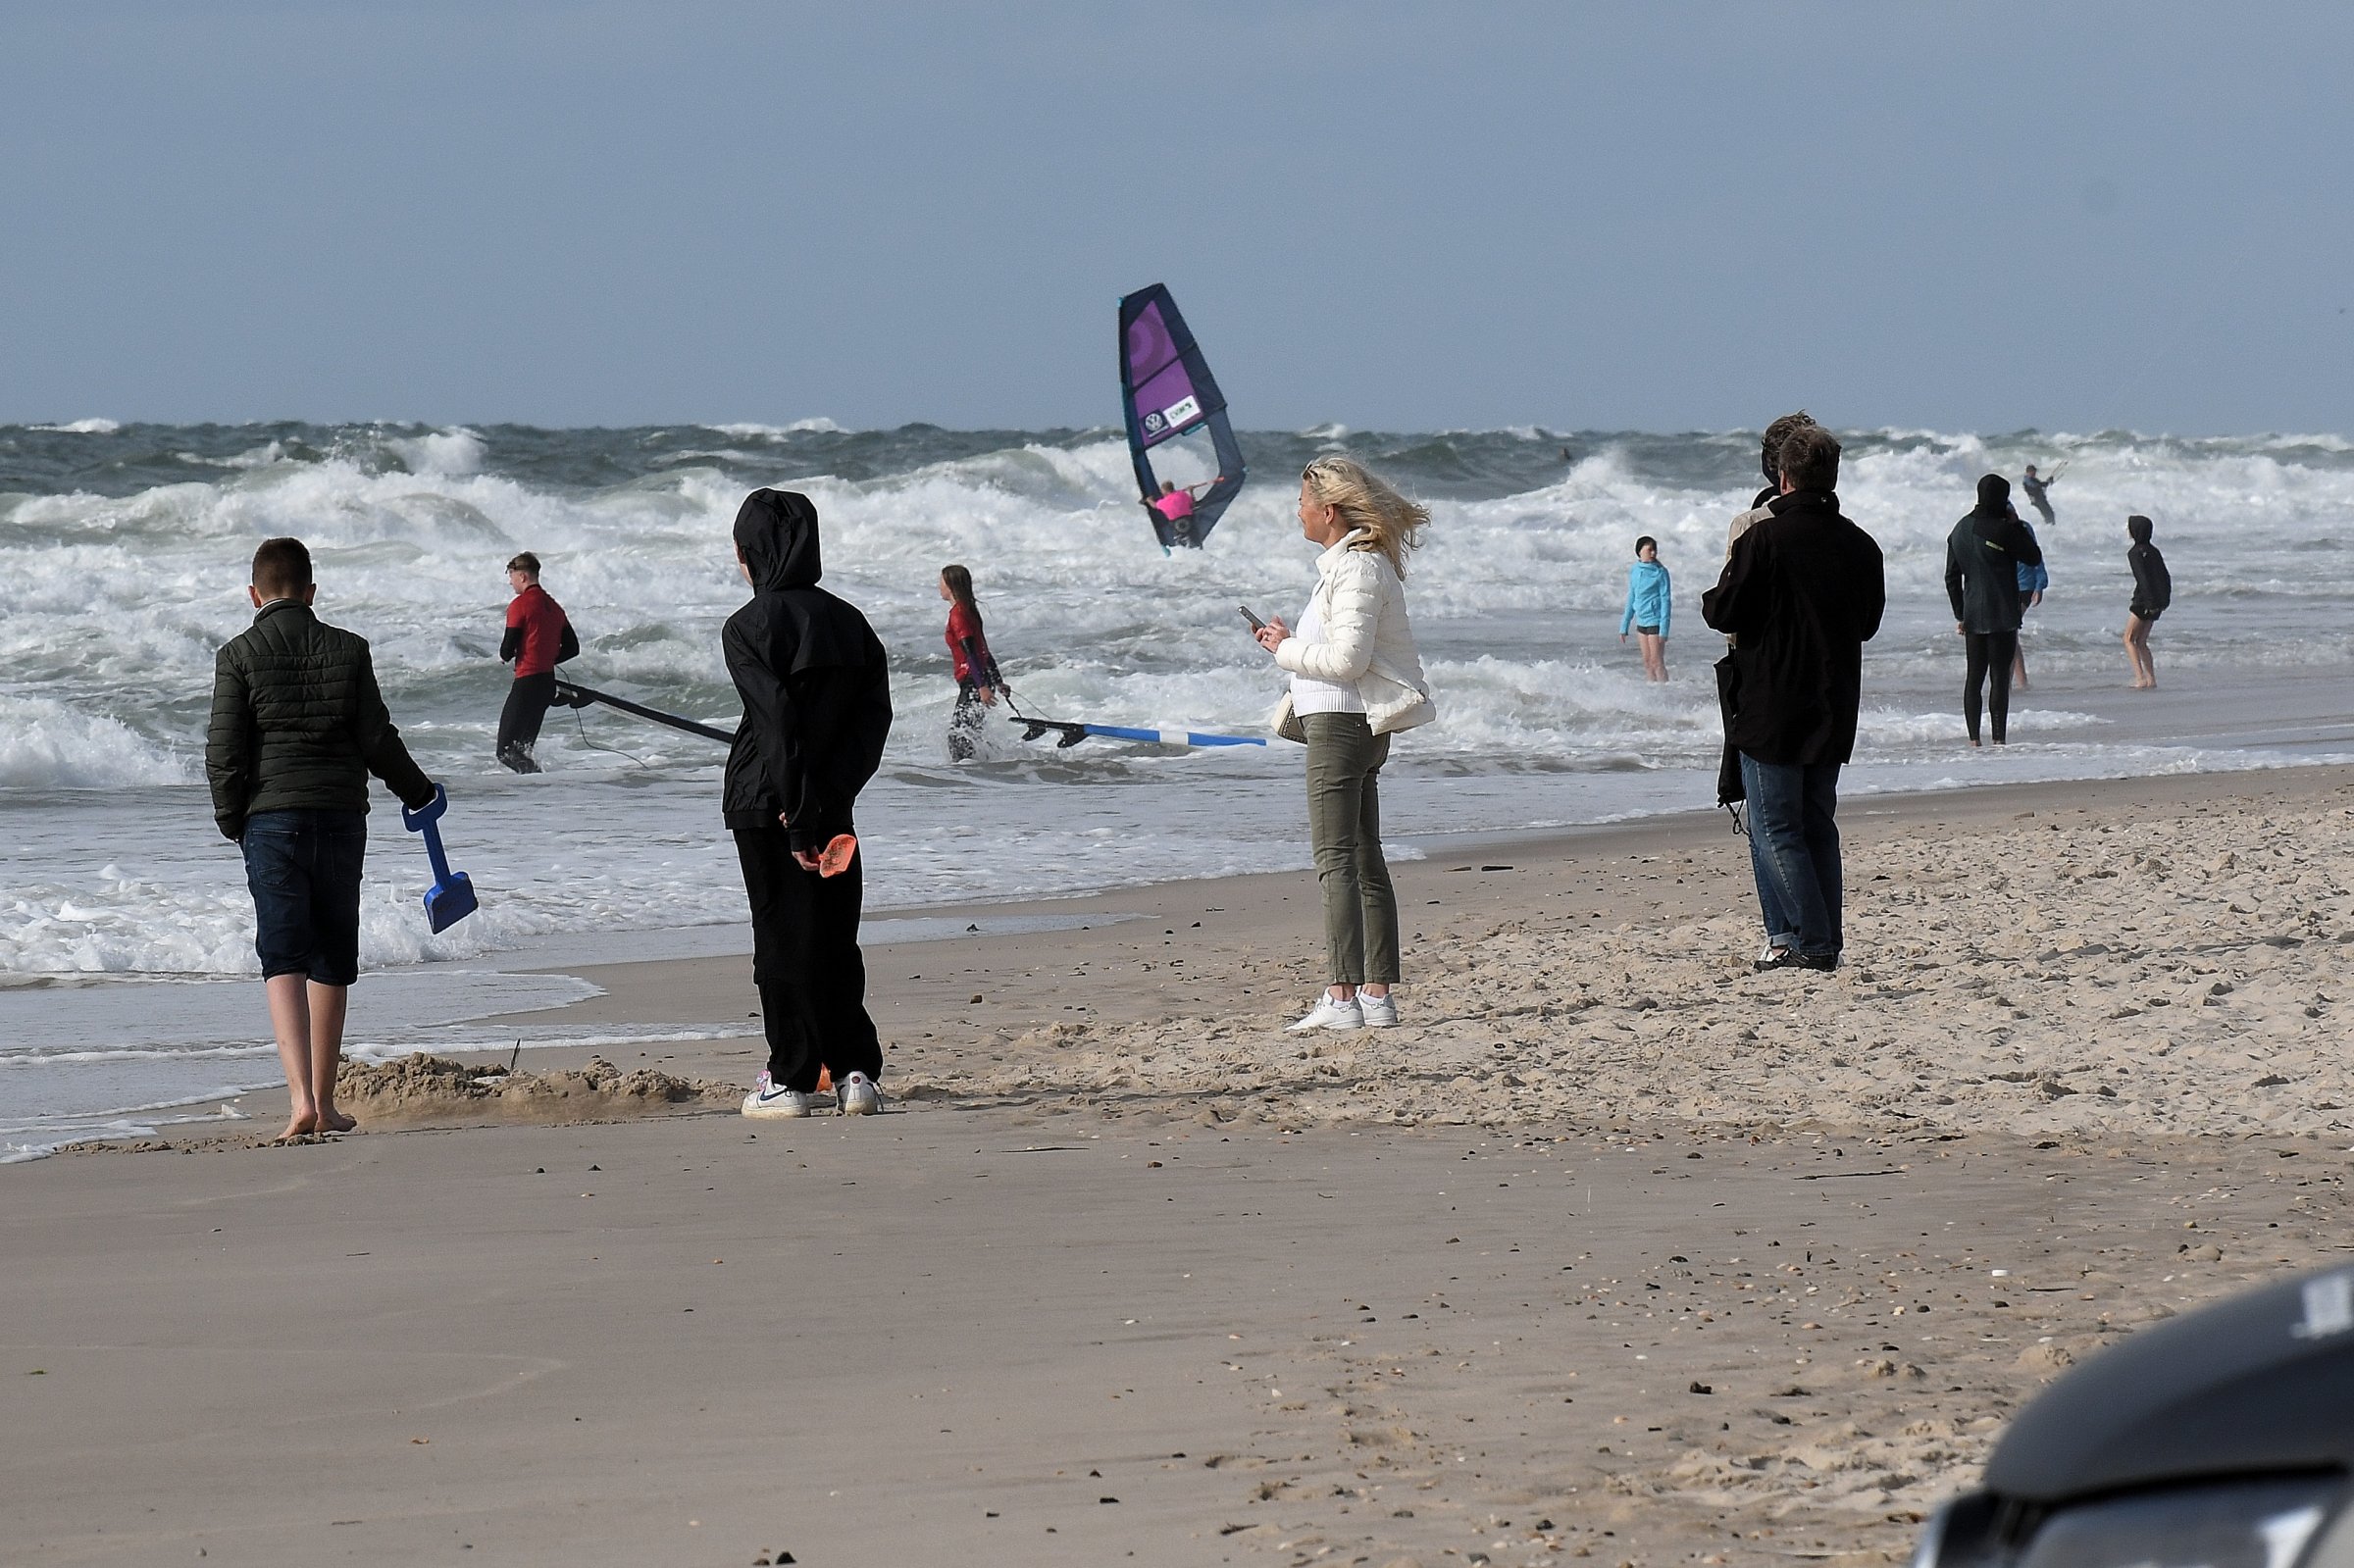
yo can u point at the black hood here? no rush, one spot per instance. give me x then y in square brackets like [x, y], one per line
[1994, 497]
[776, 532]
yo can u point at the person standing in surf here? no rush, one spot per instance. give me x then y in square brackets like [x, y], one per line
[977, 679]
[297, 726]
[2153, 591]
[1175, 504]
[816, 692]
[1982, 559]
[1648, 607]
[2035, 487]
[1356, 680]
[539, 637]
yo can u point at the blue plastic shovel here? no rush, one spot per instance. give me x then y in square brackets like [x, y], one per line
[450, 898]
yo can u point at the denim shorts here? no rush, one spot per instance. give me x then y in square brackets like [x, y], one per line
[304, 869]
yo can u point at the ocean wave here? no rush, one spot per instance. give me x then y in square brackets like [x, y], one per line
[49, 744]
[753, 433]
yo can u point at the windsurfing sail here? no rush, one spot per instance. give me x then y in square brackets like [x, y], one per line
[1166, 392]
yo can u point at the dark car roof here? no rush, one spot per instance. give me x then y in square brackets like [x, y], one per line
[2263, 1381]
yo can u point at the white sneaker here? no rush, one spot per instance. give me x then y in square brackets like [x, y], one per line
[1380, 1012]
[766, 1100]
[857, 1095]
[1330, 1014]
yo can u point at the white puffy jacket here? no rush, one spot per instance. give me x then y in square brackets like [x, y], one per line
[1368, 643]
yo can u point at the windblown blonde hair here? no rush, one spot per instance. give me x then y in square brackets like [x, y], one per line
[1367, 504]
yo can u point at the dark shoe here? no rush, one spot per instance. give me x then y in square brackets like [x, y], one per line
[1792, 958]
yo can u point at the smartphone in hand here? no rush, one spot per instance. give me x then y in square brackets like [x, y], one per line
[1257, 625]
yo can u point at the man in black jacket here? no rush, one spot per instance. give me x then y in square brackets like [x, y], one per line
[297, 726]
[816, 692]
[1982, 557]
[1803, 592]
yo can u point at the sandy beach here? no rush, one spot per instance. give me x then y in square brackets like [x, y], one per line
[1616, 1250]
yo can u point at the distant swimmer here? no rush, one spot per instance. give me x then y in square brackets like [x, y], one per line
[1649, 605]
[2153, 591]
[2035, 487]
[1982, 557]
[1176, 506]
[539, 637]
[977, 679]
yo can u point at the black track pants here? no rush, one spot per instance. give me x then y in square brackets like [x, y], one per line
[806, 962]
[1990, 655]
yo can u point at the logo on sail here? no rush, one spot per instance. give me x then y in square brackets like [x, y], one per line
[1178, 413]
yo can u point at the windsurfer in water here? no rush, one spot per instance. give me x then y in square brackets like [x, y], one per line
[2035, 487]
[977, 679]
[1175, 505]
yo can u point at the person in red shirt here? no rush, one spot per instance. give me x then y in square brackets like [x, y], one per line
[538, 638]
[977, 679]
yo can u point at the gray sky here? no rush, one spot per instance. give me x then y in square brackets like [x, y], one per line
[1400, 216]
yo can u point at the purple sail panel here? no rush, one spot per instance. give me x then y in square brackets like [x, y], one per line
[1163, 393]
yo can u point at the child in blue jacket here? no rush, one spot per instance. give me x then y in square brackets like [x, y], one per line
[1648, 607]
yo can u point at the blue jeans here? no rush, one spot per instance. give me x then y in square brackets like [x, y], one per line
[303, 866]
[1794, 852]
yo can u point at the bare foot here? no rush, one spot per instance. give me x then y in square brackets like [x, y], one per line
[333, 1121]
[301, 1125]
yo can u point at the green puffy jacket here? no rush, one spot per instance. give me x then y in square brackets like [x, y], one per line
[298, 722]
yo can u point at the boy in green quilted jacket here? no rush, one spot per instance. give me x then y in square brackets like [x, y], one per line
[297, 726]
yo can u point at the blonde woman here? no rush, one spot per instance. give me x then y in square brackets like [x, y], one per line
[1356, 680]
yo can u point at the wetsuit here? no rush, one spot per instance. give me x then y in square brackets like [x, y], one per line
[1176, 509]
[975, 669]
[538, 638]
[2035, 489]
[1982, 557]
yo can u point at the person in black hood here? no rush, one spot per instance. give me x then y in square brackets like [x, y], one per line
[1982, 557]
[2153, 591]
[816, 690]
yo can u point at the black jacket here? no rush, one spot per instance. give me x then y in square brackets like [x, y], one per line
[815, 684]
[1804, 592]
[2152, 584]
[1982, 557]
[298, 722]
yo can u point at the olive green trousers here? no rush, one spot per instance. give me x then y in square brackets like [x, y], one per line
[1343, 822]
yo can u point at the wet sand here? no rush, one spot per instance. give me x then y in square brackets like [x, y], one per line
[1617, 1250]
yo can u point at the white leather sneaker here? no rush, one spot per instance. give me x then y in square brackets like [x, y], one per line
[1329, 1014]
[1379, 1012]
[857, 1095]
[766, 1100]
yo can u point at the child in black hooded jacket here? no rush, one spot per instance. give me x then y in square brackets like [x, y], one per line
[816, 690]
